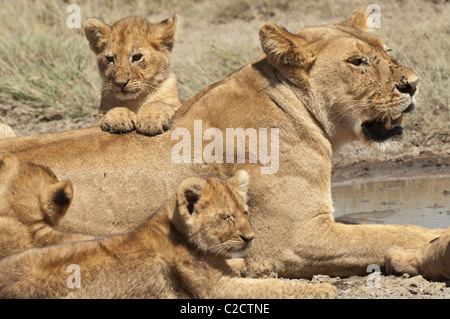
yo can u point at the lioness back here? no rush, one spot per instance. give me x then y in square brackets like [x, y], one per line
[181, 251]
[139, 91]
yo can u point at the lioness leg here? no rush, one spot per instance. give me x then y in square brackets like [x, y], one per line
[370, 243]
[345, 250]
[431, 259]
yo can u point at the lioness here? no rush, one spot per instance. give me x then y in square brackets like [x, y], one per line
[32, 201]
[139, 91]
[321, 87]
[181, 251]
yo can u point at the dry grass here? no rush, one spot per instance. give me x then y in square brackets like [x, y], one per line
[47, 67]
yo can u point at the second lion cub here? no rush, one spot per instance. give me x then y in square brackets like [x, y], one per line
[181, 251]
[139, 91]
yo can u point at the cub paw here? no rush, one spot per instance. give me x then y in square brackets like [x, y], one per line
[152, 121]
[119, 120]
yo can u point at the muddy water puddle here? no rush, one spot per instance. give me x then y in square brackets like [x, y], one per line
[424, 202]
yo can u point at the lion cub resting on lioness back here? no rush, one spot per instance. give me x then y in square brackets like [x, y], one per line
[32, 201]
[139, 91]
[181, 251]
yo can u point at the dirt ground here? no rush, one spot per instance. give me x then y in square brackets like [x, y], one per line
[410, 164]
[387, 287]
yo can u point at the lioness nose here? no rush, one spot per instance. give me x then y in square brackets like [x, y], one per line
[408, 87]
[248, 238]
[121, 84]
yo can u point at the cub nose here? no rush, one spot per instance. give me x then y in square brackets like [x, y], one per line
[408, 87]
[121, 84]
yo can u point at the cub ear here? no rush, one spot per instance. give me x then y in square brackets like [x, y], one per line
[165, 32]
[240, 180]
[358, 19]
[280, 45]
[56, 200]
[189, 192]
[9, 165]
[96, 32]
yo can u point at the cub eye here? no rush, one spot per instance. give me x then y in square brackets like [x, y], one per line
[245, 213]
[357, 61]
[228, 218]
[109, 58]
[137, 57]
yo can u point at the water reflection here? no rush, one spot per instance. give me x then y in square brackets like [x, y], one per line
[424, 202]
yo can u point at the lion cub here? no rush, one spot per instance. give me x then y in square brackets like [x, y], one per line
[139, 91]
[32, 201]
[181, 251]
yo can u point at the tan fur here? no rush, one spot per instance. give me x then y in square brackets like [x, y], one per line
[179, 252]
[6, 131]
[32, 201]
[306, 85]
[139, 91]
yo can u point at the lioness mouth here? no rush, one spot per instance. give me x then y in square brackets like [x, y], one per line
[381, 130]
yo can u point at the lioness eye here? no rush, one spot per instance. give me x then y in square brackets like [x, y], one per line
[246, 213]
[229, 218]
[109, 58]
[137, 57]
[357, 61]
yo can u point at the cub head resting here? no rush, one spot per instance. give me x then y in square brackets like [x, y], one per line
[213, 215]
[32, 201]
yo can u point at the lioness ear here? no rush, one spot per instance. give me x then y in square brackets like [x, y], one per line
[358, 19]
[56, 200]
[280, 45]
[189, 192]
[96, 32]
[240, 180]
[165, 32]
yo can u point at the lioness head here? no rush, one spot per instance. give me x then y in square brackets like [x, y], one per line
[133, 55]
[213, 214]
[346, 77]
[31, 193]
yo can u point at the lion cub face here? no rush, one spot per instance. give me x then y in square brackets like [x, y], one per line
[347, 77]
[31, 193]
[213, 215]
[133, 55]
